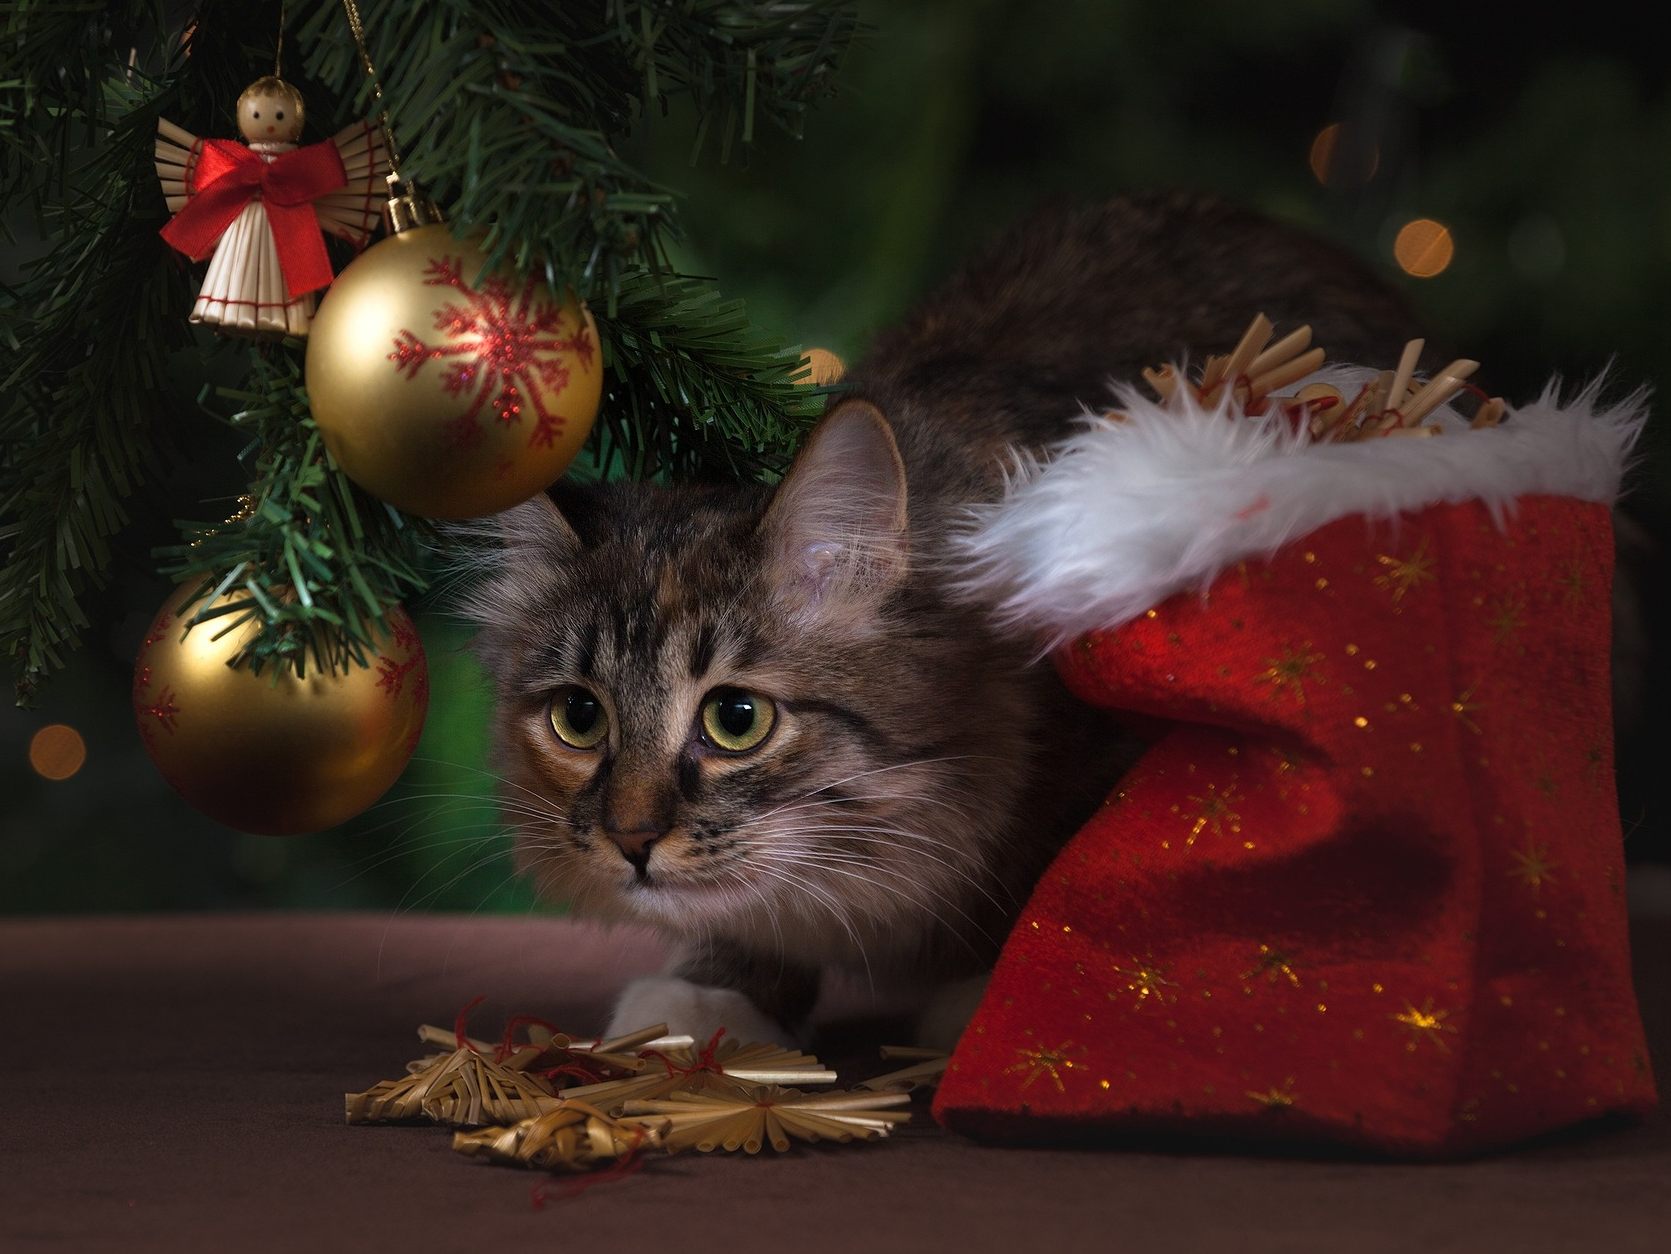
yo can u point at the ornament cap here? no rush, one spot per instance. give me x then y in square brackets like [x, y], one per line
[409, 206]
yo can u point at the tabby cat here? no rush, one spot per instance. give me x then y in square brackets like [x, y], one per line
[762, 721]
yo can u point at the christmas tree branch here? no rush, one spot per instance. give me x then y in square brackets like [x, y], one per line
[310, 555]
[693, 388]
[79, 433]
[494, 122]
[92, 326]
[737, 60]
[510, 113]
[58, 58]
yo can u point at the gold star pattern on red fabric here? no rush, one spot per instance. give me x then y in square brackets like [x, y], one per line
[1213, 813]
[1044, 1062]
[1144, 980]
[1425, 1023]
[1276, 1097]
[1291, 672]
[1532, 866]
[1405, 575]
[1508, 616]
[1274, 965]
[1465, 707]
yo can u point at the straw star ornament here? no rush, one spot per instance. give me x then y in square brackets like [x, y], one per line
[560, 1103]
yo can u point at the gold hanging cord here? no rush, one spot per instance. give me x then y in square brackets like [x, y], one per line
[407, 207]
[359, 32]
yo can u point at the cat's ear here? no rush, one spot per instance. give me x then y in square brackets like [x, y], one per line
[537, 525]
[836, 528]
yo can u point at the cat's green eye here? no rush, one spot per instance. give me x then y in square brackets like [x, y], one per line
[578, 717]
[736, 720]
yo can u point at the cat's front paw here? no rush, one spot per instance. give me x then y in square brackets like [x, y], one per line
[697, 1010]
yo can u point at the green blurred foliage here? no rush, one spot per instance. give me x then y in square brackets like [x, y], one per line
[1543, 153]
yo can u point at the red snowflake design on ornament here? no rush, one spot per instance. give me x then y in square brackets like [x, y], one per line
[505, 359]
[141, 687]
[162, 709]
[159, 629]
[391, 675]
[404, 633]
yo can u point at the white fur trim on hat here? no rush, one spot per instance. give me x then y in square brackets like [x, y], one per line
[1126, 513]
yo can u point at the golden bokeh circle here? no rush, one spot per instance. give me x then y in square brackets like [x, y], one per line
[823, 367]
[57, 751]
[1322, 160]
[444, 392]
[1423, 248]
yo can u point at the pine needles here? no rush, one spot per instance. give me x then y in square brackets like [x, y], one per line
[509, 114]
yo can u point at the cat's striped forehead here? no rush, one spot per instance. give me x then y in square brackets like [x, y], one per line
[664, 591]
[598, 638]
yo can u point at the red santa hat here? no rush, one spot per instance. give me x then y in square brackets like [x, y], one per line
[1366, 887]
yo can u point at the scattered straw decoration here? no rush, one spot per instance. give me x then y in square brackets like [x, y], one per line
[573, 1136]
[564, 1104]
[770, 1115]
[924, 1072]
[462, 1089]
[1394, 403]
[475, 1083]
[719, 1066]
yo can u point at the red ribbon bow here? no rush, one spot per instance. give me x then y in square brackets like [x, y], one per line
[227, 176]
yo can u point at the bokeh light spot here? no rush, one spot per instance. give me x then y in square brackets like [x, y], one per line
[1423, 248]
[1353, 169]
[824, 367]
[57, 751]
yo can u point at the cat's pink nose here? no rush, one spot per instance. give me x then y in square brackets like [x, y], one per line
[635, 846]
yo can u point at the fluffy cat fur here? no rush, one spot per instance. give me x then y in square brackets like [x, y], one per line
[923, 768]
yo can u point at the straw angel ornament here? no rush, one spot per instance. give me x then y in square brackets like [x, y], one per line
[259, 209]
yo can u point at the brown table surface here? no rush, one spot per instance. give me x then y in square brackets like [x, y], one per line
[174, 1083]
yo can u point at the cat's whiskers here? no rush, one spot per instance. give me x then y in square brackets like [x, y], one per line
[847, 779]
[401, 906]
[417, 834]
[493, 889]
[870, 831]
[481, 861]
[846, 799]
[874, 836]
[455, 804]
[482, 770]
[800, 885]
[412, 819]
[835, 865]
[875, 827]
[862, 835]
[441, 839]
[528, 816]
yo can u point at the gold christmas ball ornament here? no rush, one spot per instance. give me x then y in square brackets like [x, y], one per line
[446, 395]
[270, 753]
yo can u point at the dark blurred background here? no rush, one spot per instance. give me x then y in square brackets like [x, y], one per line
[1531, 160]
